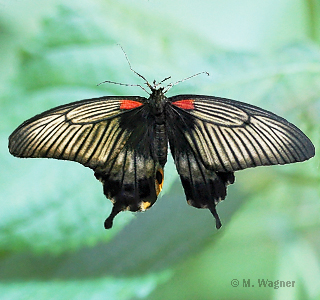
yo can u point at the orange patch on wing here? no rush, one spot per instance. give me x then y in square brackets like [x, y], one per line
[184, 104]
[159, 180]
[129, 104]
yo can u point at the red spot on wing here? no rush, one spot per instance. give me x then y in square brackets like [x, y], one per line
[129, 104]
[184, 104]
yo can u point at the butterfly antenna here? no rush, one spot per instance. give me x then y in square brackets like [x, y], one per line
[135, 72]
[169, 86]
[163, 80]
[125, 84]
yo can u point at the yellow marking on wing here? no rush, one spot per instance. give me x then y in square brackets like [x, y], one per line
[145, 205]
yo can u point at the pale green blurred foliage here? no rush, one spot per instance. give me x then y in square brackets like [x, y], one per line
[52, 241]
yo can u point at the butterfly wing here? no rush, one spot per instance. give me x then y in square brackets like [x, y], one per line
[106, 134]
[213, 137]
[86, 131]
[230, 135]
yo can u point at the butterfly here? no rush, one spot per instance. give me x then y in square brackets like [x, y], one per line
[125, 140]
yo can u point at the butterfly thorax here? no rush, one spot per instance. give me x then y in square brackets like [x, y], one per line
[157, 101]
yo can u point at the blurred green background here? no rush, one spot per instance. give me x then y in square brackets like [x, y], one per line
[52, 241]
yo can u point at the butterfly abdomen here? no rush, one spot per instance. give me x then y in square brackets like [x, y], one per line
[161, 143]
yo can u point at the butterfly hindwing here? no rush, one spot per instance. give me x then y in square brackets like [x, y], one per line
[134, 178]
[131, 181]
[203, 188]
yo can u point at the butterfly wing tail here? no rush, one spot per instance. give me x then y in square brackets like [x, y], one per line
[132, 181]
[203, 188]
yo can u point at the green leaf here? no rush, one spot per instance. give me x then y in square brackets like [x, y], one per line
[51, 218]
[99, 288]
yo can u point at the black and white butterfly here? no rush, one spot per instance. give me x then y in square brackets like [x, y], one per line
[125, 141]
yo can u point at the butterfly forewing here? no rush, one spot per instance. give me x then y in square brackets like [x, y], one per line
[229, 135]
[86, 131]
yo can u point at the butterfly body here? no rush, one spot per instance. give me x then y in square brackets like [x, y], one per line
[125, 141]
